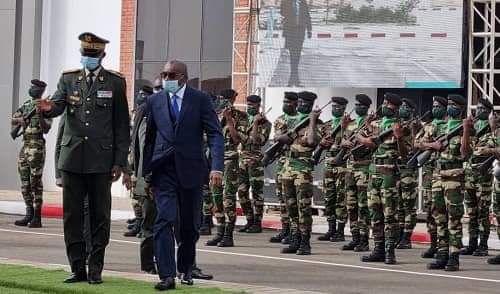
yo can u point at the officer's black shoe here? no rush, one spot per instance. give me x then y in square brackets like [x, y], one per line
[218, 236]
[494, 260]
[206, 228]
[339, 234]
[255, 228]
[453, 264]
[440, 262]
[187, 280]
[351, 245]
[294, 244]
[332, 229]
[80, 276]
[432, 250]
[130, 221]
[166, 284]
[390, 255]
[405, 241]
[469, 250]
[246, 226]
[305, 244]
[95, 279]
[26, 219]
[377, 255]
[36, 222]
[130, 226]
[286, 240]
[363, 244]
[482, 249]
[198, 274]
[136, 229]
[227, 239]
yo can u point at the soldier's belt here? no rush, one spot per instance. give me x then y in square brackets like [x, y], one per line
[447, 166]
[254, 148]
[32, 137]
[385, 169]
[385, 161]
[451, 173]
[361, 163]
[293, 154]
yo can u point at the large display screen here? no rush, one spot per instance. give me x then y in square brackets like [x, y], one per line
[360, 43]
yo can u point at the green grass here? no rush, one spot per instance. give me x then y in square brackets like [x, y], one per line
[16, 279]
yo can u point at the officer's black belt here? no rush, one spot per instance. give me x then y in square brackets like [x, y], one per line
[294, 154]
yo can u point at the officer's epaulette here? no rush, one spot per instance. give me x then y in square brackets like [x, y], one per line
[116, 73]
[71, 71]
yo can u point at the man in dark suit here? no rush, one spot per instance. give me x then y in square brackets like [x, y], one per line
[296, 20]
[173, 161]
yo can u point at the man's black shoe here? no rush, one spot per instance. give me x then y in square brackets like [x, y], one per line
[95, 280]
[187, 280]
[76, 277]
[166, 284]
[198, 274]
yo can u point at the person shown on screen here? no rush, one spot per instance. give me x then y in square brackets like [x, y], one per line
[296, 20]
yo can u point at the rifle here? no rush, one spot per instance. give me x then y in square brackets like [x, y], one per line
[15, 132]
[486, 165]
[274, 151]
[361, 151]
[319, 151]
[254, 123]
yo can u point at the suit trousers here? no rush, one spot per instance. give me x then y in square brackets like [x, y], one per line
[172, 199]
[76, 187]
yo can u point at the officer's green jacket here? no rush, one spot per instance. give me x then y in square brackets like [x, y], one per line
[96, 135]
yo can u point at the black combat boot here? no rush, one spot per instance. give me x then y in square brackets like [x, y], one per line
[453, 264]
[227, 239]
[332, 229]
[482, 249]
[305, 245]
[400, 235]
[354, 242]
[440, 262]
[255, 228]
[218, 236]
[469, 249]
[363, 244]
[36, 222]
[377, 255]
[285, 231]
[287, 239]
[27, 218]
[130, 221]
[405, 242]
[206, 227]
[245, 228]
[136, 229]
[339, 235]
[390, 254]
[294, 245]
[432, 250]
[494, 260]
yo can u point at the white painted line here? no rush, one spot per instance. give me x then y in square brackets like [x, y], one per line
[296, 260]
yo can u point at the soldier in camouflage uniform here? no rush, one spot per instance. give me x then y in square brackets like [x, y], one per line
[427, 134]
[447, 190]
[382, 186]
[281, 125]
[333, 176]
[356, 179]
[251, 171]
[297, 176]
[235, 128]
[408, 184]
[478, 187]
[32, 156]
[496, 202]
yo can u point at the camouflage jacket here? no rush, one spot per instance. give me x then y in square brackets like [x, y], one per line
[241, 124]
[428, 134]
[354, 127]
[479, 145]
[451, 157]
[388, 149]
[251, 150]
[299, 148]
[33, 132]
[281, 125]
[326, 130]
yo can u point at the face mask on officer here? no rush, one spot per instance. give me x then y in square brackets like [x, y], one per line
[405, 112]
[454, 111]
[338, 110]
[304, 107]
[438, 111]
[361, 110]
[90, 63]
[140, 98]
[288, 107]
[252, 110]
[35, 92]
[482, 112]
[387, 111]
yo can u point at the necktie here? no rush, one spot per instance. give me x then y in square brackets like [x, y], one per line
[90, 79]
[175, 107]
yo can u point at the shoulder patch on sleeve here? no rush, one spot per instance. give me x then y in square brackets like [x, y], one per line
[71, 71]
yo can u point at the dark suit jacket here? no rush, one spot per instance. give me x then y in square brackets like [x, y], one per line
[290, 28]
[183, 139]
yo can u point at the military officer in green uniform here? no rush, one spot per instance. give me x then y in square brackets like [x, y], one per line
[479, 187]
[251, 171]
[427, 134]
[281, 125]
[32, 156]
[94, 150]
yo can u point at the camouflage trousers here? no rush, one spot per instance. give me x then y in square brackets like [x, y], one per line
[298, 189]
[383, 200]
[251, 175]
[284, 217]
[427, 179]
[30, 167]
[225, 198]
[407, 208]
[496, 204]
[448, 209]
[478, 191]
[208, 201]
[334, 191]
[356, 183]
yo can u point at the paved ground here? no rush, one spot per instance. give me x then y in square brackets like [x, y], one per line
[256, 262]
